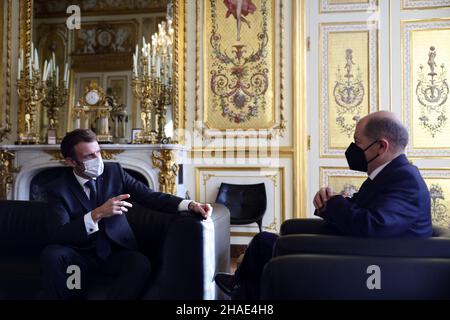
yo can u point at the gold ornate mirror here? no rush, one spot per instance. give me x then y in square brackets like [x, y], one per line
[100, 52]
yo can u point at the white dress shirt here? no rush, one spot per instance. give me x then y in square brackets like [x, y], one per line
[91, 226]
[378, 170]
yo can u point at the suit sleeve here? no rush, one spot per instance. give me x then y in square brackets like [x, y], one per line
[61, 229]
[391, 212]
[147, 197]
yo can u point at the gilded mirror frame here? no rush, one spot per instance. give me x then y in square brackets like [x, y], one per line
[178, 108]
[5, 73]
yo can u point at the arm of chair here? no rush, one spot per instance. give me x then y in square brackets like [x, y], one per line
[307, 226]
[194, 250]
[349, 277]
[438, 247]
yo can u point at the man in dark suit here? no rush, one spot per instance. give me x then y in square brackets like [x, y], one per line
[87, 222]
[393, 202]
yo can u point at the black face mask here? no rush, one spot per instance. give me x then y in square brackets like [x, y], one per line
[356, 158]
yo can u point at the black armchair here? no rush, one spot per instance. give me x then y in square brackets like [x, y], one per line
[185, 251]
[310, 262]
[247, 203]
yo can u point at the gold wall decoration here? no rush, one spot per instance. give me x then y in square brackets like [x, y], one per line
[438, 182]
[237, 55]
[274, 178]
[5, 73]
[347, 182]
[56, 155]
[165, 161]
[425, 4]
[179, 72]
[45, 8]
[7, 171]
[118, 85]
[3, 15]
[343, 181]
[105, 46]
[301, 139]
[53, 39]
[348, 81]
[25, 39]
[116, 61]
[426, 103]
[327, 6]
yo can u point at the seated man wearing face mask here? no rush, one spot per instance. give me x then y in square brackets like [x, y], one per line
[394, 201]
[88, 226]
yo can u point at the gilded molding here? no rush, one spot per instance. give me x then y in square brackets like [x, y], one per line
[425, 4]
[25, 38]
[281, 128]
[7, 171]
[300, 114]
[203, 175]
[106, 154]
[179, 87]
[5, 129]
[165, 161]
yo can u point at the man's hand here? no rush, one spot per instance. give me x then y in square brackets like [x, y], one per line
[322, 196]
[204, 209]
[111, 207]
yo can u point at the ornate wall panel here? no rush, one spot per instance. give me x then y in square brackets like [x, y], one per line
[342, 180]
[348, 81]
[438, 181]
[45, 8]
[208, 180]
[347, 5]
[237, 54]
[426, 59]
[424, 4]
[347, 182]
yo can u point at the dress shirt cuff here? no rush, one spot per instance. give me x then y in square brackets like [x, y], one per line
[184, 205]
[91, 226]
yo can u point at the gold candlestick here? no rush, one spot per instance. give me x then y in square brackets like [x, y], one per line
[145, 89]
[32, 90]
[56, 98]
[155, 97]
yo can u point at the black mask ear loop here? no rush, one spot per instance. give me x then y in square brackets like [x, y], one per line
[369, 148]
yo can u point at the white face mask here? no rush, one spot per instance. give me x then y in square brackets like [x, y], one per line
[93, 167]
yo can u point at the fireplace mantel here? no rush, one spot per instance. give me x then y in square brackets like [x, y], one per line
[20, 163]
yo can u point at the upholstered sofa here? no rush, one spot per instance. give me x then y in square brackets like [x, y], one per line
[312, 262]
[185, 251]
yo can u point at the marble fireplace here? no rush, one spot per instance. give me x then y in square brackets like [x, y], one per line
[24, 166]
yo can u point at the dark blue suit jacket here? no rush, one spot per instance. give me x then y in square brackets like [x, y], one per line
[68, 204]
[395, 204]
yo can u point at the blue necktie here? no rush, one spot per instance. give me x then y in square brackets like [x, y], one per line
[102, 245]
[90, 184]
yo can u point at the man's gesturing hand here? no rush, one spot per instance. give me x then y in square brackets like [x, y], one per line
[111, 207]
[204, 209]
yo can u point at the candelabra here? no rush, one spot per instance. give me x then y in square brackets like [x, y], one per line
[152, 83]
[32, 89]
[57, 92]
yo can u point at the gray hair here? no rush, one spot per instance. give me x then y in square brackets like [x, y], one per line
[389, 129]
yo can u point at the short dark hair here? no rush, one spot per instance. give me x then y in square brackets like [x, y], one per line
[388, 128]
[73, 138]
